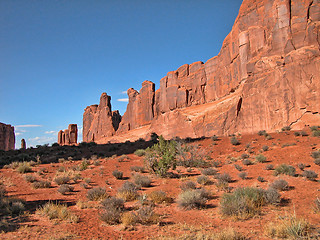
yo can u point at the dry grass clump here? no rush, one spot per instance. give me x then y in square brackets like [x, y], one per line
[61, 180]
[188, 185]
[142, 181]
[280, 184]
[110, 216]
[145, 215]
[83, 204]
[289, 227]
[243, 175]
[285, 169]
[96, 194]
[209, 171]
[114, 203]
[128, 218]
[269, 167]
[317, 205]
[228, 234]
[117, 174]
[234, 141]
[246, 162]
[57, 211]
[243, 203]
[128, 191]
[159, 197]
[137, 169]
[24, 167]
[30, 178]
[311, 175]
[190, 199]
[140, 152]
[41, 184]
[65, 188]
[203, 180]
[261, 158]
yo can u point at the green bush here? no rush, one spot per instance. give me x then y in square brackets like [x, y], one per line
[243, 202]
[285, 169]
[161, 157]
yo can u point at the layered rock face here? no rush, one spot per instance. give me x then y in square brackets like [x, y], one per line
[266, 76]
[99, 121]
[7, 137]
[68, 136]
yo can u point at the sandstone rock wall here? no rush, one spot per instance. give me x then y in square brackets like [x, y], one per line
[7, 137]
[68, 136]
[266, 76]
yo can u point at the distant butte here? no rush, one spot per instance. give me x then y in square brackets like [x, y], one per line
[266, 76]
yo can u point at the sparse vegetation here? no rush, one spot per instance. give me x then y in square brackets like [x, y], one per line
[286, 128]
[269, 167]
[142, 181]
[209, 171]
[243, 175]
[265, 148]
[117, 174]
[140, 152]
[41, 184]
[97, 194]
[128, 191]
[57, 211]
[159, 197]
[137, 169]
[262, 133]
[203, 180]
[238, 167]
[285, 169]
[234, 141]
[246, 162]
[188, 185]
[317, 205]
[30, 178]
[280, 184]
[261, 158]
[62, 180]
[65, 188]
[190, 199]
[24, 167]
[311, 175]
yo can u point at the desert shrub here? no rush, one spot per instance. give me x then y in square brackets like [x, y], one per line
[290, 227]
[261, 158]
[145, 215]
[137, 169]
[260, 179]
[262, 133]
[24, 167]
[272, 196]
[61, 180]
[243, 175]
[41, 184]
[244, 156]
[128, 218]
[65, 188]
[161, 157]
[317, 161]
[10, 206]
[314, 128]
[97, 163]
[110, 216]
[142, 181]
[159, 197]
[117, 174]
[30, 178]
[246, 162]
[286, 128]
[285, 169]
[280, 184]
[87, 180]
[214, 138]
[317, 205]
[57, 211]
[269, 167]
[190, 199]
[61, 168]
[216, 164]
[140, 152]
[303, 134]
[234, 141]
[84, 164]
[297, 134]
[224, 177]
[238, 167]
[203, 180]
[311, 175]
[113, 203]
[122, 158]
[128, 191]
[188, 185]
[96, 194]
[315, 154]
[316, 133]
[226, 234]
[243, 202]
[209, 171]
[2, 190]
[301, 166]
[265, 148]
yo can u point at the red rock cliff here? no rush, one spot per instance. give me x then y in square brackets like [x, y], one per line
[266, 76]
[7, 137]
[68, 136]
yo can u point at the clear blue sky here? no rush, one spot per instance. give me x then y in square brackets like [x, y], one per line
[58, 56]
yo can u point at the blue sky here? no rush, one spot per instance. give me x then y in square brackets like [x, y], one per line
[58, 56]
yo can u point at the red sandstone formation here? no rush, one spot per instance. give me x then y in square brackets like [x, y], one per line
[7, 137]
[68, 136]
[266, 76]
[99, 121]
[23, 144]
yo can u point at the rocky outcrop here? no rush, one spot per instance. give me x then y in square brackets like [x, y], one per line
[68, 136]
[23, 144]
[99, 121]
[7, 137]
[266, 76]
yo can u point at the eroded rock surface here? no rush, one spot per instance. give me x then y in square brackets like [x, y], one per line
[7, 137]
[266, 76]
[68, 136]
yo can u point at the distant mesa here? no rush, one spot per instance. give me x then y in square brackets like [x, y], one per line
[266, 76]
[68, 136]
[7, 137]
